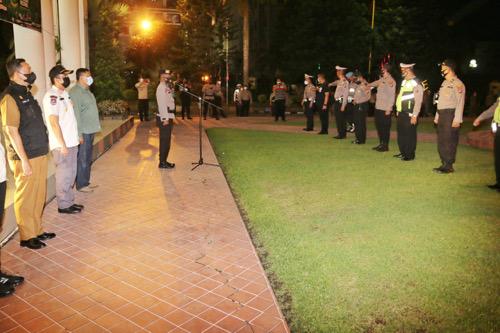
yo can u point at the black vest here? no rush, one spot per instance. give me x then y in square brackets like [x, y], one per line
[31, 127]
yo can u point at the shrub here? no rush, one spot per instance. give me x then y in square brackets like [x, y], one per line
[130, 94]
[114, 109]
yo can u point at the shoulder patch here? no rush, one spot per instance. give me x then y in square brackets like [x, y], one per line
[460, 88]
[53, 100]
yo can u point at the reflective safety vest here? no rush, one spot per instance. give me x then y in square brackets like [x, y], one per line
[496, 116]
[406, 97]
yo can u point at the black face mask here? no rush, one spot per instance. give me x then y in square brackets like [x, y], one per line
[30, 78]
[66, 82]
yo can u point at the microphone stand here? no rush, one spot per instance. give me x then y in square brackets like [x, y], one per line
[200, 125]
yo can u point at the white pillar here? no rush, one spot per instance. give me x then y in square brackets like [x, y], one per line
[69, 29]
[29, 45]
[84, 35]
[49, 37]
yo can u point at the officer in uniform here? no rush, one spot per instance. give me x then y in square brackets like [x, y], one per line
[246, 100]
[408, 105]
[449, 115]
[340, 101]
[280, 92]
[322, 102]
[27, 146]
[386, 94]
[165, 117]
[308, 102]
[493, 111]
[208, 92]
[361, 99]
[349, 109]
[143, 100]
[185, 89]
[237, 99]
[219, 98]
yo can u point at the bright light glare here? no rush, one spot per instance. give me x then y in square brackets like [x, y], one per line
[473, 63]
[146, 25]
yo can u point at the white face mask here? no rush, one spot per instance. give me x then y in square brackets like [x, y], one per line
[90, 80]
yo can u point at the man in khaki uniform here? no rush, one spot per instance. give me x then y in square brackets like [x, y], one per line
[308, 101]
[449, 116]
[386, 94]
[360, 101]
[340, 101]
[246, 100]
[208, 92]
[27, 145]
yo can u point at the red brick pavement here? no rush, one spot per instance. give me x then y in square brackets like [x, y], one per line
[153, 251]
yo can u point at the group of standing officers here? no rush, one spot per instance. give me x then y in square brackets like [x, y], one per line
[350, 102]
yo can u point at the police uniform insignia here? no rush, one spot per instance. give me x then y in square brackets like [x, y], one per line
[460, 88]
[53, 100]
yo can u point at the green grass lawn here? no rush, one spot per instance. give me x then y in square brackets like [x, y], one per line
[426, 125]
[363, 242]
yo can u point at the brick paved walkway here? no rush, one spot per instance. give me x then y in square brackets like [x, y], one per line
[154, 250]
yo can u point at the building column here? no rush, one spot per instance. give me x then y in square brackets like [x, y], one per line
[69, 30]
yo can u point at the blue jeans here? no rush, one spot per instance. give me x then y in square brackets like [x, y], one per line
[84, 161]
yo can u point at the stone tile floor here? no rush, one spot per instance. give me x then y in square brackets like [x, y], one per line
[153, 251]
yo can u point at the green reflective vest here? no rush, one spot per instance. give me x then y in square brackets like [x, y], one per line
[406, 97]
[496, 116]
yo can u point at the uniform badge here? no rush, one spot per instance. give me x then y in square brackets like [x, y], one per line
[53, 100]
[460, 88]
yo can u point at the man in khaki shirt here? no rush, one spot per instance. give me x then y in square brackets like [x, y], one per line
[308, 102]
[361, 98]
[340, 101]
[386, 94]
[143, 99]
[449, 116]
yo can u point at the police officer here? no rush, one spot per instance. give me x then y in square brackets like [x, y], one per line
[237, 99]
[219, 98]
[349, 109]
[322, 102]
[208, 92]
[361, 99]
[246, 100]
[493, 111]
[165, 117]
[308, 101]
[408, 105]
[386, 94]
[185, 89]
[340, 101]
[280, 92]
[143, 100]
[449, 115]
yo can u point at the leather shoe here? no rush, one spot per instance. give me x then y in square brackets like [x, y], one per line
[69, 210]
[6, 290]
[322, 133]
[46, 235]
[494, 186]
[33, 243]
[400, 155]
[12, 279]
[383, 148]
[80, 207]
[445, 170]
[378, 147]
[166, 165]
[339, 137]
[406, 159]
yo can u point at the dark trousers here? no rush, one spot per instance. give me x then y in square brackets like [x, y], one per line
[3, 190]
[407, 135]
[349, 113]
[238, 109]
[279, 109]
[447, 137]
[165, 138]
[324, 118]
[340, 119]
[186, 109]
[143, 106]
[84, 161]
[309, 112]
[383, 124]
[497, 155]
[218, 102]
[245, 108]
[215, 113]
[359, 116]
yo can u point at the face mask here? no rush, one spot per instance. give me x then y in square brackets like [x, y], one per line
[306, 83]
[30, 78]
[90, 80]
[66, 82]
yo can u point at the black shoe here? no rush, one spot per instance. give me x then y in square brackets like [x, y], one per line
[69, 210]
[400, 155]
[378, 147]
[6, 290]
[383, 148]
[13, 280]
[322, 133]
[80, 207]
[33, 243]
[166, 165]
[406, 159]
[494, 186]
[445, 170]
[46, 235]
[339, 137]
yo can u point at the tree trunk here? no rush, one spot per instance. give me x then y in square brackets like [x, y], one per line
[246, 40]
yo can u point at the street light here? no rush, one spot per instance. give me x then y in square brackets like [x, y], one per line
[146, 25]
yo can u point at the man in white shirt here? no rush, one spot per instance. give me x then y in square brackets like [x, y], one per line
[63, 138]
[143, 100]
[165, 117]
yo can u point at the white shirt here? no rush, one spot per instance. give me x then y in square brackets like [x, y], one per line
[57, 102]
[166, 102]
[3, 165]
